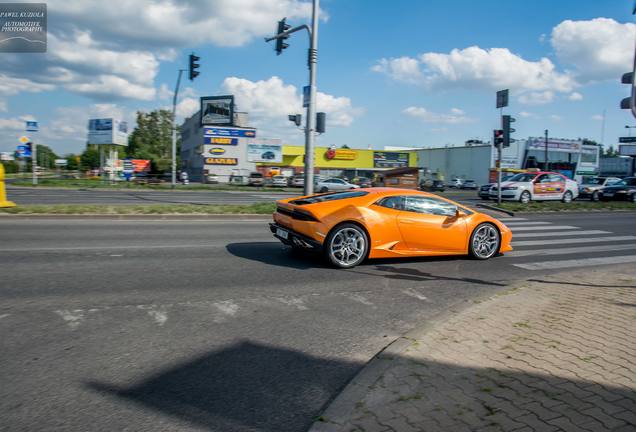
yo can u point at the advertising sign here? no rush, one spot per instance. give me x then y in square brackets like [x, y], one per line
[265, 150]
[223, 132]
[341, 154]
[120, 132]
[61, 162]
[627, 150]
[24, 151]
[627, 139]
[31, 126]
[107, 131]
[217, 110]
[217, 151]
[221, 161]
[220, 141]
[554, 145]
[390, 159]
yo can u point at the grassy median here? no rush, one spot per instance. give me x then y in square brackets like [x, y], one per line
[150, 209]
[547, 206]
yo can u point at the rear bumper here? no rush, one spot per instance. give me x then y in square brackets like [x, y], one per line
[294, 238]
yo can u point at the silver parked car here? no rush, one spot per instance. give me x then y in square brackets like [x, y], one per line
[590, 186]
[334, 184]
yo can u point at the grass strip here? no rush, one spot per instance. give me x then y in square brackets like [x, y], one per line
[150, 209]
[547, 206]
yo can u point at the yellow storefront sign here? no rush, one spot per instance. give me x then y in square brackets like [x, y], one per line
[221, 161]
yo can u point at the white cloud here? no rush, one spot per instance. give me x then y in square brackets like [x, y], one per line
[4, 107]
[187, 106]
[475, 67]
[575, 96]
[556, 118]
[455, 117]
[599, 49]
[12, 124]
[12, 85]
[109, 86]
[597, 117]
[536, 98]
[526, 114]
[268, 102]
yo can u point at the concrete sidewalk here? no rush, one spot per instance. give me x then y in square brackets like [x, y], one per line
[552, 354]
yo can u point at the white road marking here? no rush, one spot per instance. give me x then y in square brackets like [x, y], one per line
[72, 318]
[560, 234]
[298, 303]
[413, 293]
[159, 317]
[514, 224]
[572, 240]
[566, 251]
[511, 219]
[542, 228]
[4, 315]
[581, 262]
[122, 247]
[358, 298]
[228, 307]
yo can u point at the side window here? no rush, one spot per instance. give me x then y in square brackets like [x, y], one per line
[545, 178]
[394, 202]
[429, 206]
[338, 181]
[556, 178]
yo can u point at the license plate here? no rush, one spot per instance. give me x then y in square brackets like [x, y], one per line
[282, 233]
[608, 194]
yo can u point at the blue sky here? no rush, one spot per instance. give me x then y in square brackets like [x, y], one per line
[402, 73]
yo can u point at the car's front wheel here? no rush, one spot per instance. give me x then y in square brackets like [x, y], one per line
[484, 242]
[633, 200]
[346, 245]
[525, 197]
[567, 197]
[595, 196]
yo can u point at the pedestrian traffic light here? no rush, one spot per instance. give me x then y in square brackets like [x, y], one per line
[296, 118]
[321, 122]
[497, 137]
[507, 130]
[193, 72]
[280, 41]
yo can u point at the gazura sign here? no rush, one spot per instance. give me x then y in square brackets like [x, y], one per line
[221, 161]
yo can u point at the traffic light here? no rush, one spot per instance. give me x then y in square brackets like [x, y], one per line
[321, 122]
[296, 118]
[507, 130]
[497, 137]
[629, 102]
[280, 42]
[193, 72]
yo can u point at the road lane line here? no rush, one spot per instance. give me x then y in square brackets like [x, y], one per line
[514, 224]
[542, 228]
[572, 240]
[511, 219]
[124, 247]
[581, 262]
[560, 234]
[567, 251]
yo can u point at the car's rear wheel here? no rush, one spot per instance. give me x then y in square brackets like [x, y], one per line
[525, 197]
[567, 197]
[633, 197]
[346, 245]
[323, 189]
[484, 242]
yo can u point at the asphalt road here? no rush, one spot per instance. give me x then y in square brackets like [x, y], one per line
[151, 325]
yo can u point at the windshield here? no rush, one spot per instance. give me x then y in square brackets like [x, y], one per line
[328, 197]
[593, 180]
[256, 175]
[631, 181]
[522, 177]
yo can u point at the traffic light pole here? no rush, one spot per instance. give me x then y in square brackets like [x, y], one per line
[34, 161]
[174, 129]
[499, 151]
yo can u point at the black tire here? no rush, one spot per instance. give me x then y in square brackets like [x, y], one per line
[633, 198]
[567, 197]
[323, 189]
[525, 197]
[337, 233]
[595, 196]
[493, 250]
[485, 198]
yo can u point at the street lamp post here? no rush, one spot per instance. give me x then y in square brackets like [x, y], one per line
[174, 130]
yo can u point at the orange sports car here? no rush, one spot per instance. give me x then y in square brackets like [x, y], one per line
[351, 226]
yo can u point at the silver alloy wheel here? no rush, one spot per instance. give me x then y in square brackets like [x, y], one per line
[525, 197]
[485, 241]
[347, 246]
[567, 197]
[595, 196]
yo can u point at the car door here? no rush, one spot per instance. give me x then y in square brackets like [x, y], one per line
[430, 224]
[337, 185]
[544, 189]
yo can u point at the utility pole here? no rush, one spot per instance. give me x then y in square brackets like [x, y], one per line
[547, 164]
[174, 129]
[34, 161]
[312, 60]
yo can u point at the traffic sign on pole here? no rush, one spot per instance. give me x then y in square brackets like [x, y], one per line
[502, 98]
[627, 139]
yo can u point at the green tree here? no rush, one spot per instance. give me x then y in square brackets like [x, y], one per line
[89, 159]
[46, 156]
[610, 152]
[71, 161]
[152, 139]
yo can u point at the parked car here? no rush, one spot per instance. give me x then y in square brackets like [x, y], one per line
[363, 182]
[279, 181]
[211, 178]
[469, 184]
[255, 179]
[297, 181]
[624, 190]
[239, 180]
[537, 186]
[590, 186]
[455, 183]
[484, 190]
[268, 155]
[333, 184]
[432, 186]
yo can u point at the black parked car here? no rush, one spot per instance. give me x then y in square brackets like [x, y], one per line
[624, 190]
[432, 186]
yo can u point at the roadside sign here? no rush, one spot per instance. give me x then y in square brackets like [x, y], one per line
[24, 139]
[627, 139]
[128, 167]
[61, 162]
[502, 98]
[627, 150]
[24, 151]
[31, 126]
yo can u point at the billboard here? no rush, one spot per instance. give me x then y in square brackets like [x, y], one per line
[627, 149]
[569, 146]
[107, 131]
[390, 159]
[217, 110]
[265, 150]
